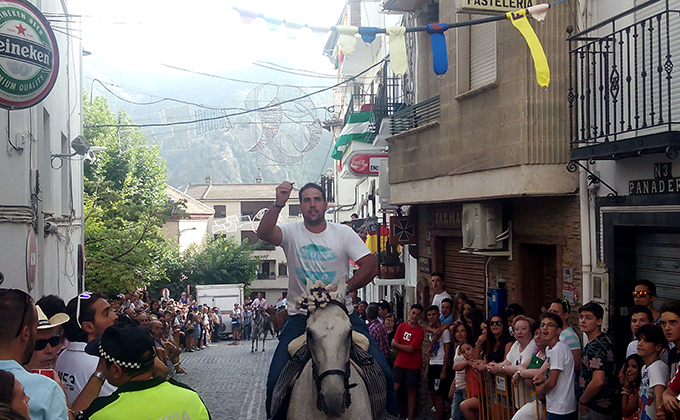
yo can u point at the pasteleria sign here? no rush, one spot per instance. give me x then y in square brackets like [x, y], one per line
[494, 6]
[29, 57]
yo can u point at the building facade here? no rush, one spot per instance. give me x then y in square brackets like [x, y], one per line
[41, 197]
[624, 143]
[481, 159]
[237, 211]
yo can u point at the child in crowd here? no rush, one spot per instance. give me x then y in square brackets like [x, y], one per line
[438, 369]
[558, 388]
[407, 342]
[630, 387]
[461, 334]
[466, 350]
[651, 342]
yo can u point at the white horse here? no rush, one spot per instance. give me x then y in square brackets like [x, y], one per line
[339, 390]
[259, 328]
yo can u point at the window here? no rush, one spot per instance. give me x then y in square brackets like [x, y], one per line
[283, 270]
[220, 212]
[477, 57]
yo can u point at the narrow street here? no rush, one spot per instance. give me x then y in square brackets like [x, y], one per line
[230, 380]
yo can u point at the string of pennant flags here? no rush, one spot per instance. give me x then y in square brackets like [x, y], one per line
[397, 41]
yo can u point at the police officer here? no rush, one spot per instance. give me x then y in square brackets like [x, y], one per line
[126, 358]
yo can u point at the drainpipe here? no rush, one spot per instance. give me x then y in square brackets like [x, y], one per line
[486, 285]
[586, 237]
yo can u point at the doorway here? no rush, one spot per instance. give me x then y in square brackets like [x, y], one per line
[537, 286]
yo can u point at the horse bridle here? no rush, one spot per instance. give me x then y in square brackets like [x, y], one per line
[344, 373]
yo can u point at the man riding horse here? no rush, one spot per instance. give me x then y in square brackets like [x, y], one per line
[317, 250]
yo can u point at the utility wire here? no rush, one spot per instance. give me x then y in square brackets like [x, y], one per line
[232, 79]
[161, 99]
[242, 112]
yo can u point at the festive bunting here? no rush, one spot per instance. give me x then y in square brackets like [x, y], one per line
[368, 33]
[440, 62]
[398, 60]
[348, 41]
[440, 57]
[356, 129]
[520, 21]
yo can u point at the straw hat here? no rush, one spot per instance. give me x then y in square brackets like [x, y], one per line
[56, 320]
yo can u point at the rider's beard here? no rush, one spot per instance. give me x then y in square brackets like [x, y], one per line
[313, 222]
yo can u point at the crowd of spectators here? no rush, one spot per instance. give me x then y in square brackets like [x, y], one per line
[52, 361]
[453, 347]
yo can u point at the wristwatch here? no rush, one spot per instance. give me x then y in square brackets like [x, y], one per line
[99, 376]
[276, 205]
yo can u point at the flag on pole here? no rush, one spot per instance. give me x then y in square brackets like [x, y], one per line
[520, 21]
[356, 129]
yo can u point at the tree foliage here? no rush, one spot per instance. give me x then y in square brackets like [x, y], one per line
[125, 205]
[219, 261]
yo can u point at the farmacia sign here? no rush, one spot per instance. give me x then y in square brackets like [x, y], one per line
[29, 57]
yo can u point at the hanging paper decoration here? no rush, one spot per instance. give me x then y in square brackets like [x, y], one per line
[348, 41]
[398, 60]
[520, 21]
[440, 57]
[368, 33]
[440, 60]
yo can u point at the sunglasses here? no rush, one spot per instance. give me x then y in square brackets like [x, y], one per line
[496, 323]
[52, 341]
[27, 300]
[82, 296]
[641, 293]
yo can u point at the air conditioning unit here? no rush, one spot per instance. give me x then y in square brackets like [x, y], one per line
[482, 223]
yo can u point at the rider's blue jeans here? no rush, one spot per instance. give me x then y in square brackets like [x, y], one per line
[295, 327]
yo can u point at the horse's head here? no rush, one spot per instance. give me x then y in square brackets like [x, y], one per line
[329, 339]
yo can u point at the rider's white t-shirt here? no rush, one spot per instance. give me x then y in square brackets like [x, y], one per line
[318, 256]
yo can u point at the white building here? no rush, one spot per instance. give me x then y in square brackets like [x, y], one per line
[190, 225]
[625, 109]
[360, 188]
[237, 211]
[41, 196]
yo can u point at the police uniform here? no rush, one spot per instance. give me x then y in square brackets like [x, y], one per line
[132, 349]
[152, 399]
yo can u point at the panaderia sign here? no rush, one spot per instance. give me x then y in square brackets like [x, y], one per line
[29, 57]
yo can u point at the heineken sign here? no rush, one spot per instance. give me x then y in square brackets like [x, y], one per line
[29, 58]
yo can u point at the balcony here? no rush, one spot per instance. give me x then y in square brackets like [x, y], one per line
[385, 96]
[624, 93]
[420, 115]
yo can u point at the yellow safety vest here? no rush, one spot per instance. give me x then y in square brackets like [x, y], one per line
[155, 399]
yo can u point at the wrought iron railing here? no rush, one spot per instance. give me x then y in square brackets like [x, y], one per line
[622, 78]
[385, 96]
[415, 116]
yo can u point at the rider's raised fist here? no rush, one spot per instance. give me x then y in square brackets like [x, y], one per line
[283, 192]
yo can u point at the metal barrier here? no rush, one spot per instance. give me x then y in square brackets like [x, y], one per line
[499, 398]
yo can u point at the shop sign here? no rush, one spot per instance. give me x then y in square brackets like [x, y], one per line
[402, 231]
[365, 163]
[493, 6]
[446, 217]
[29, 57]
[424, 264]
[663, 182]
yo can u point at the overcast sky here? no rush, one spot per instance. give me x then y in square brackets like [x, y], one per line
[203, 35]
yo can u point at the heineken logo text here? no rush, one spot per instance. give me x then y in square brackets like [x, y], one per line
[20, 49]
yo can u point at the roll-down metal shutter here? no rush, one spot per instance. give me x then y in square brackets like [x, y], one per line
[464, 272]
[657, 259]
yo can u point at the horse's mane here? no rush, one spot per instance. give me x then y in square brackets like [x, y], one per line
[319, 296]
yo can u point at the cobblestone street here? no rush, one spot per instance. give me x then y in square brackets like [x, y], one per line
[230, 380]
